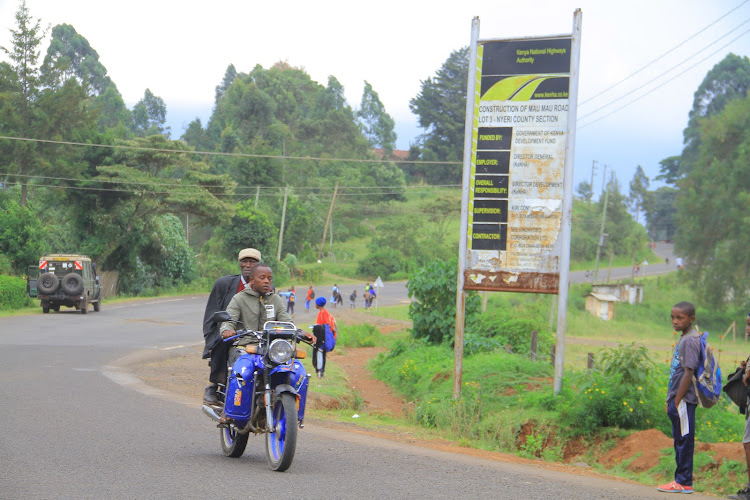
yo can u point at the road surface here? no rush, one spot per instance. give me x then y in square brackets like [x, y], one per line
[75, 424]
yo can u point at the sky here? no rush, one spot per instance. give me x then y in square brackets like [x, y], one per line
[181, 50]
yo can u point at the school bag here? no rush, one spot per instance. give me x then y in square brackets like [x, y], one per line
[312, 294]
[292, 297]
[325, 339]
[707, 378]
[736, 389]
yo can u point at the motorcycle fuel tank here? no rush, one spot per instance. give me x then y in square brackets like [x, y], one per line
[239, 394]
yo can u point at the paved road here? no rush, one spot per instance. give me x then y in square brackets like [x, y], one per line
[75, 424]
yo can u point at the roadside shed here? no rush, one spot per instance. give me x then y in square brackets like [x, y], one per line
[601, 305]
[627, 292]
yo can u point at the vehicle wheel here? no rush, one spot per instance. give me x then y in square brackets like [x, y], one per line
[72, 284]
[56, 308]
[45, 310]
[282, 441]
[233, 444]
[85, 305]
[97, 305]
[47, 283]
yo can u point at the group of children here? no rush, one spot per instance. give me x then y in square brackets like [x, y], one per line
[682, 400]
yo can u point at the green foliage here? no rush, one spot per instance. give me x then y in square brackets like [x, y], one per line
[712, 209]
[502, 328]
[607, 401]
[433, 311]
[359, 335]
[376, 123]
[383, 262]
[250, 228]
[22, 239]
[441, 108]
[12, 292]
[632, 361]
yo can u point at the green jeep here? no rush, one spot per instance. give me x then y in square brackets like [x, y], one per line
[65, 280]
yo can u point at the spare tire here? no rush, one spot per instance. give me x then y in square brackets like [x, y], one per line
[48, 283]
[72, 283]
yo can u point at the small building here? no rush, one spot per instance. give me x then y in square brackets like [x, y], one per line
[601, 305]
[626, 292]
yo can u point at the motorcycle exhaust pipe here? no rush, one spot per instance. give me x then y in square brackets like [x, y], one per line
[211, 413]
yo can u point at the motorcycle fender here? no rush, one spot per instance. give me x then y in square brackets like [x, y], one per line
[239, 393]
[281, 388]
[299, 382]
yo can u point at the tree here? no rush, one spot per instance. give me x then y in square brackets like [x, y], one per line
[712, 208]
[376, 124]
[638, 192]
[229, 75]
[659, 208]
[144, 182]
[70, 55]
[20, 96]
[441, 108]
[726, 81]
[149, 116]
[584, 191]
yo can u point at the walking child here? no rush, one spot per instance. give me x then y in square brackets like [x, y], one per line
[681, 397]
[319, 352]
[744, 494]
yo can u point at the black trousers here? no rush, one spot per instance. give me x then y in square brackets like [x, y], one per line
[218, 363]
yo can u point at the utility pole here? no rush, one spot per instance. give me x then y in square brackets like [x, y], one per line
[601, 231]
[283, 219]
[328, 221]
[593, 167]
[257, 195]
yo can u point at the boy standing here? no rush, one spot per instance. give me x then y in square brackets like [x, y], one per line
[681, 397]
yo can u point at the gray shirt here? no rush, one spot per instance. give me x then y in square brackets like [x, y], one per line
[687, 354]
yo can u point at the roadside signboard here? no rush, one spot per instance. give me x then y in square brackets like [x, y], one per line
[518, 159]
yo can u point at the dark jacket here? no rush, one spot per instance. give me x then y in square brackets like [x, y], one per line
[221, 294]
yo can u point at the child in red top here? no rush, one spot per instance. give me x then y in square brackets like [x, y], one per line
[324, 318]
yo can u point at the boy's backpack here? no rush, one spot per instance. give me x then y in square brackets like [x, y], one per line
[312, 294]
[736, 389]
[707, 379]
[325, 338]
[292, 297]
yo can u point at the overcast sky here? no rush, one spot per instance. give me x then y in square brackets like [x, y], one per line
[180, 51]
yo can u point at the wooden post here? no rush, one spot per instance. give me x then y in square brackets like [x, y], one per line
[590, 361]
[328, 221]
[534, 339]
[552, 356]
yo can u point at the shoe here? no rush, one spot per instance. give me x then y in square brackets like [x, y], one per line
[741, 495]
[209, 395]
[675, 487]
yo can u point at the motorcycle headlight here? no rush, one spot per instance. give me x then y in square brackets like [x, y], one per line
[280, 351]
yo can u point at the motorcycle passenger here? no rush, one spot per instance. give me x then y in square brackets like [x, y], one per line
[222, 292]
[253, 307]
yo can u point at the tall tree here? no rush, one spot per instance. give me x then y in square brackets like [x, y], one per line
[20, 96]
[638, 192]
[714, 229]
[659, 208]
[376, 123]
[726, 81]
[441, 108]
[229, 75]
[150, 115]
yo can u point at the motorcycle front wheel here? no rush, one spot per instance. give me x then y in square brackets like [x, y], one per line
[281, 442]
[232, 443]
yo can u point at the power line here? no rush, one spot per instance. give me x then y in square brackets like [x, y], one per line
[656, 88]
[663, 55]
[673, 68]
[359, 189]
[219, 153]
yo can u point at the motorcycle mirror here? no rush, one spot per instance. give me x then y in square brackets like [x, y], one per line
[221, 316]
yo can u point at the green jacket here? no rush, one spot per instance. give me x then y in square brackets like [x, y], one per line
[253, 311]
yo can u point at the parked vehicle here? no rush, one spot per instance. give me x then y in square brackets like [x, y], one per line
[265, 393]
[68, 280]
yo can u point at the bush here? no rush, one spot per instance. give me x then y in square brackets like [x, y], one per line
[383, 262]
[361, 335]
[502, 329]
[433, 313]
[12, 292]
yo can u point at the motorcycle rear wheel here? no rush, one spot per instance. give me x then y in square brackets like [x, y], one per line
[281, 443]
[232, 443]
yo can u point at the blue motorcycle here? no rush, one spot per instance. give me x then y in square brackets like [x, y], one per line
[265, 392]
